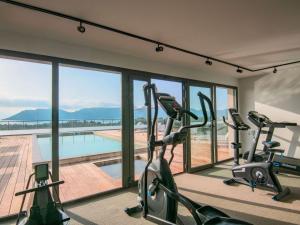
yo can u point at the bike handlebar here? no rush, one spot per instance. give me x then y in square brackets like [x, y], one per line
[228, 124]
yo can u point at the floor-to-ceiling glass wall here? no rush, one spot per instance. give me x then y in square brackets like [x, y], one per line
[90, 141]
[201, 138]
[225, 99]
[173, 88]
[140, 117]
[25, 118]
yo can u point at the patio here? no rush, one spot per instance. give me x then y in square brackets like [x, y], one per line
[81, 179]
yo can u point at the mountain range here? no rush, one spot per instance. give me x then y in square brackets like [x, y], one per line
[97, 113]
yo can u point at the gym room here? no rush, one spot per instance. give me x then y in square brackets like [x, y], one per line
[149, 112]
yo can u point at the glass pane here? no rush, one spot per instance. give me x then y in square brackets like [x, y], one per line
[175, 89]
[201, 143]
[25, 113]
[140, 128]
[225, 99]
[90, 145]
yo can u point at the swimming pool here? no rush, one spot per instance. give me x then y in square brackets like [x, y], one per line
[71, 146]
[115, 170]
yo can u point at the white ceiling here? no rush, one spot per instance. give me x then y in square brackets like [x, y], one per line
[252, 33]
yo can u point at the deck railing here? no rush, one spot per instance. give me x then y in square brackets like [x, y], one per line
[46, 124]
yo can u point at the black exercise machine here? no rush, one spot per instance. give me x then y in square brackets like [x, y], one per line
[256, 173]
[266, 126]
[158, 194]
[44, 210]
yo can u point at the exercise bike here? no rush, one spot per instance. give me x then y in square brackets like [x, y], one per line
[257, 173]
[44, 210]
[267, 126]
[158, 195]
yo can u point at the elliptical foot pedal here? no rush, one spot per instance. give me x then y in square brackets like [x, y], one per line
[133, 210]
[225, 221]
[207, 212]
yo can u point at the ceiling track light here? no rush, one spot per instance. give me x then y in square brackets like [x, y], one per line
[208, 62]
[81, 28]
[159, 48]
[275, 70]
[239, 70]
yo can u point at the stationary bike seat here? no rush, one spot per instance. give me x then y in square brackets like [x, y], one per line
[271, 144]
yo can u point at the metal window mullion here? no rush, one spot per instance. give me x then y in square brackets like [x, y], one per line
[187, 121]
[126, 130]
[55, 123]
[214, 128]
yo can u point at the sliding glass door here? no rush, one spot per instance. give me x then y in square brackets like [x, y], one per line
[90, 133]
[140, 127]
[25, 118]
[225, 99]
[173, 88]
[201, 145]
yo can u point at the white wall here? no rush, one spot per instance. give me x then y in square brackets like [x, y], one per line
[278, 97]
[18, 42]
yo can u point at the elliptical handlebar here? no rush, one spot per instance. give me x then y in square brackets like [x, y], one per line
[211, 108]
[147, 91]
[203, 98]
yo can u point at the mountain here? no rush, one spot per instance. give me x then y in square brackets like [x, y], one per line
[88, 114]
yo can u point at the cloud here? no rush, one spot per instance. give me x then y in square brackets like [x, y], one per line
[33, 103]
[74, 104]
[79, 104]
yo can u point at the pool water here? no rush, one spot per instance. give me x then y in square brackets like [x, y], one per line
[115, 170]
[79, 145]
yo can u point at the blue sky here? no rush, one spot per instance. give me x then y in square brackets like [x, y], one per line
[83, 88]
[27, 85]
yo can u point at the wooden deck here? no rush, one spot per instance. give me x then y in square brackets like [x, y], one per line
[15, 167]
[81, 179]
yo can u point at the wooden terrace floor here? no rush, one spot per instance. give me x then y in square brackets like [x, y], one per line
[81, 179]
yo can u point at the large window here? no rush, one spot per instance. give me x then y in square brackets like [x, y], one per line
[90, 143]
[25, 117]
[225, 99]
[90, 126]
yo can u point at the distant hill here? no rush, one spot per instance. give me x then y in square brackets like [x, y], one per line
[87, 114]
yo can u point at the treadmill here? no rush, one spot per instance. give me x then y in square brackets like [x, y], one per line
[264, 125]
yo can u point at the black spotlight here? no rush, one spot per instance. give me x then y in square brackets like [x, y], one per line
[81, 28]
[239, 70]
[275, 70]
[159, 48]
[208, 62]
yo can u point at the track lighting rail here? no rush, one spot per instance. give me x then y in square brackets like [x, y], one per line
[160, 45]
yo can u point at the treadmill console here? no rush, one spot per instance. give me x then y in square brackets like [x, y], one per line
[258, 119]
[237, 120]
[169, 104]
[261, 120]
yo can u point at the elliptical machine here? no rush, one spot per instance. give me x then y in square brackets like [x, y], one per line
[44, 210]
[253, 174]
[158, 195]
